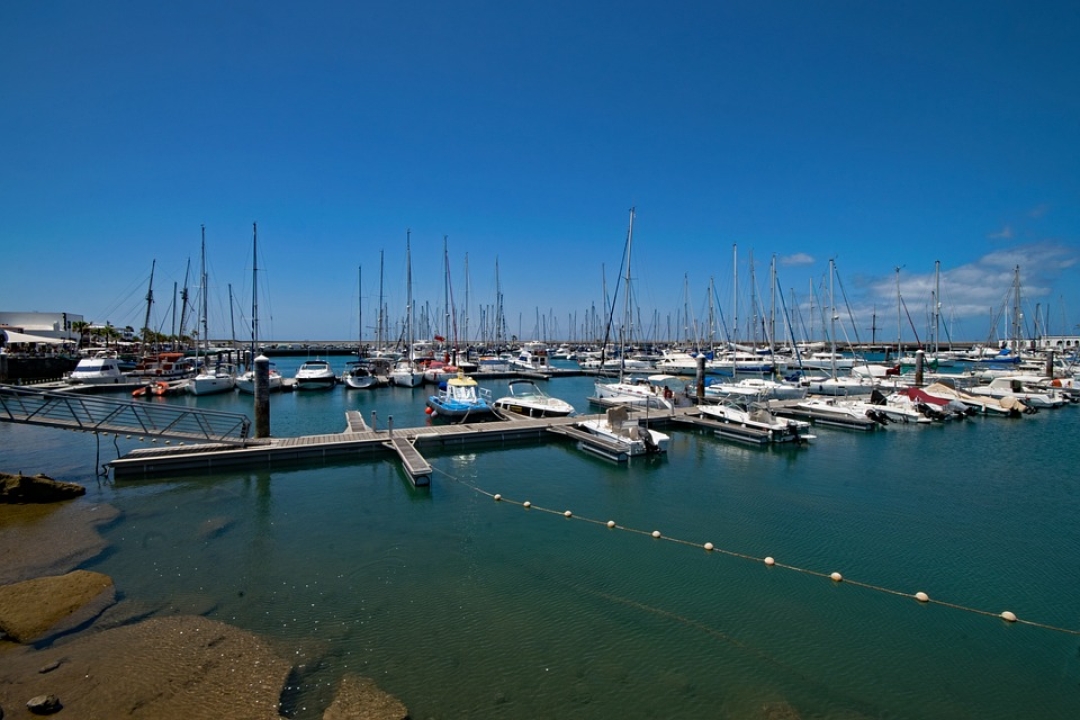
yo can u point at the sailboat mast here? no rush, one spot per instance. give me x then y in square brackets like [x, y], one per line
[360, 309]
[149, 304]
[832, 318]
[408, 293]
[465, 323]
[628, 318]
[382, 314]
[446, 290]
[205, 330]
[254, 291]
[937, 304]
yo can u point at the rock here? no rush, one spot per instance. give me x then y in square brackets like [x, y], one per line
[50, 667]
[359, 698]
[49, 605]
[36, 489]
[213, 527]
[50, 539]
[44, 705]
[173, 668]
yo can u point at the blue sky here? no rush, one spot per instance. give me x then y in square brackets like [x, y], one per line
[880, 135]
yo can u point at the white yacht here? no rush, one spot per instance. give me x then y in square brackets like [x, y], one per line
[98, 370]
[527, 399]
[315, 375]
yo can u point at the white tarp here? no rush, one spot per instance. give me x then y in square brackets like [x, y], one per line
[18, 337]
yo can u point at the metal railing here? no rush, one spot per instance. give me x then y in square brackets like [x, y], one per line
[92, 414]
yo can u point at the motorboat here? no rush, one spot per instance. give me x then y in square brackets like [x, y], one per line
[165, 366]
[527, 399]
[438, 371]
[358, 375]
[315, 375]
[1032, 390]
[98, 370]
[756, 389]
[615, 430]
[643, 393]
[985, 405]
[844, 412]
[461, 397]
[756, 423]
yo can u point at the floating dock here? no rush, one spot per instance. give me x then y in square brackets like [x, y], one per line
[358, 440]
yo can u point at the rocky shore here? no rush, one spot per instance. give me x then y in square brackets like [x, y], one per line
[67, 646]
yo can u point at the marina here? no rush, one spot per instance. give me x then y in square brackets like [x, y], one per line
[335, 528]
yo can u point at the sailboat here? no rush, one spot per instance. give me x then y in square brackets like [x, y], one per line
[358, 373]
[405, 372]
[221, 377]
[245, 382]
[621, 392]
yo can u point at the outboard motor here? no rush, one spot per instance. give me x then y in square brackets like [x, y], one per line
[645, 436]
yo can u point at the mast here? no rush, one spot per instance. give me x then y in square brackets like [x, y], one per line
[205, 330]
[360, 310]
[446, 291]
[937, 303]
[382, 315]
[734, 300]
[149, 304]
[628, 318]
[254, 292]
[465, 316]
[232, 320]
[832, 318]
[408, 293]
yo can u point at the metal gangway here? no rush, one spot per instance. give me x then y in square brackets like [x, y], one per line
[72, 411]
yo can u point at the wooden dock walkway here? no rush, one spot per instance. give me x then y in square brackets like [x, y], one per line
[354, 442]
[418, 468]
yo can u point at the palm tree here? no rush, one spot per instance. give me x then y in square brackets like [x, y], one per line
[80, 327]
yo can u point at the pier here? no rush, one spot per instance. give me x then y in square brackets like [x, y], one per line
[358, 440]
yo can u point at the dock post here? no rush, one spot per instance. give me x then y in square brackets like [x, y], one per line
[1050, 364]
[920, 357]
[700, 379]
[374, 424]
[390, 425]
[262, 396]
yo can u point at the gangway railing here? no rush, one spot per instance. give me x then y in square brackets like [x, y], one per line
[72, 411]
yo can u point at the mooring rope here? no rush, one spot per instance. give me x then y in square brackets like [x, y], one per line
[769, 561]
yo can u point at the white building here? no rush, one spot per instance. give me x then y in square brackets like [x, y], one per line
[1059, 343]
[50, 325]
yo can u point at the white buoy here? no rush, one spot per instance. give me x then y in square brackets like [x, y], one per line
[611, 523]
[526, 504]
[656, 533]
[498, 497]
[922, 597]
[769, 561]
[1008, 616]
[568, 514]
[709, 546]
[837, 577]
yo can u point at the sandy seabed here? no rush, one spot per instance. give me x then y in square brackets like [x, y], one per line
[129, 661]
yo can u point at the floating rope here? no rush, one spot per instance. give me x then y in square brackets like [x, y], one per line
[836, 577]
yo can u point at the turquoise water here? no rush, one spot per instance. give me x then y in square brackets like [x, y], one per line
[467, 607]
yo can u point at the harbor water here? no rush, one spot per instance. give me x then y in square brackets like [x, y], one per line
[464, 606]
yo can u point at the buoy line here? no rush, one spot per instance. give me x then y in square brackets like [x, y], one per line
[836, 577]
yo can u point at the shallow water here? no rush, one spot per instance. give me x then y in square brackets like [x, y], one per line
[464, 606]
